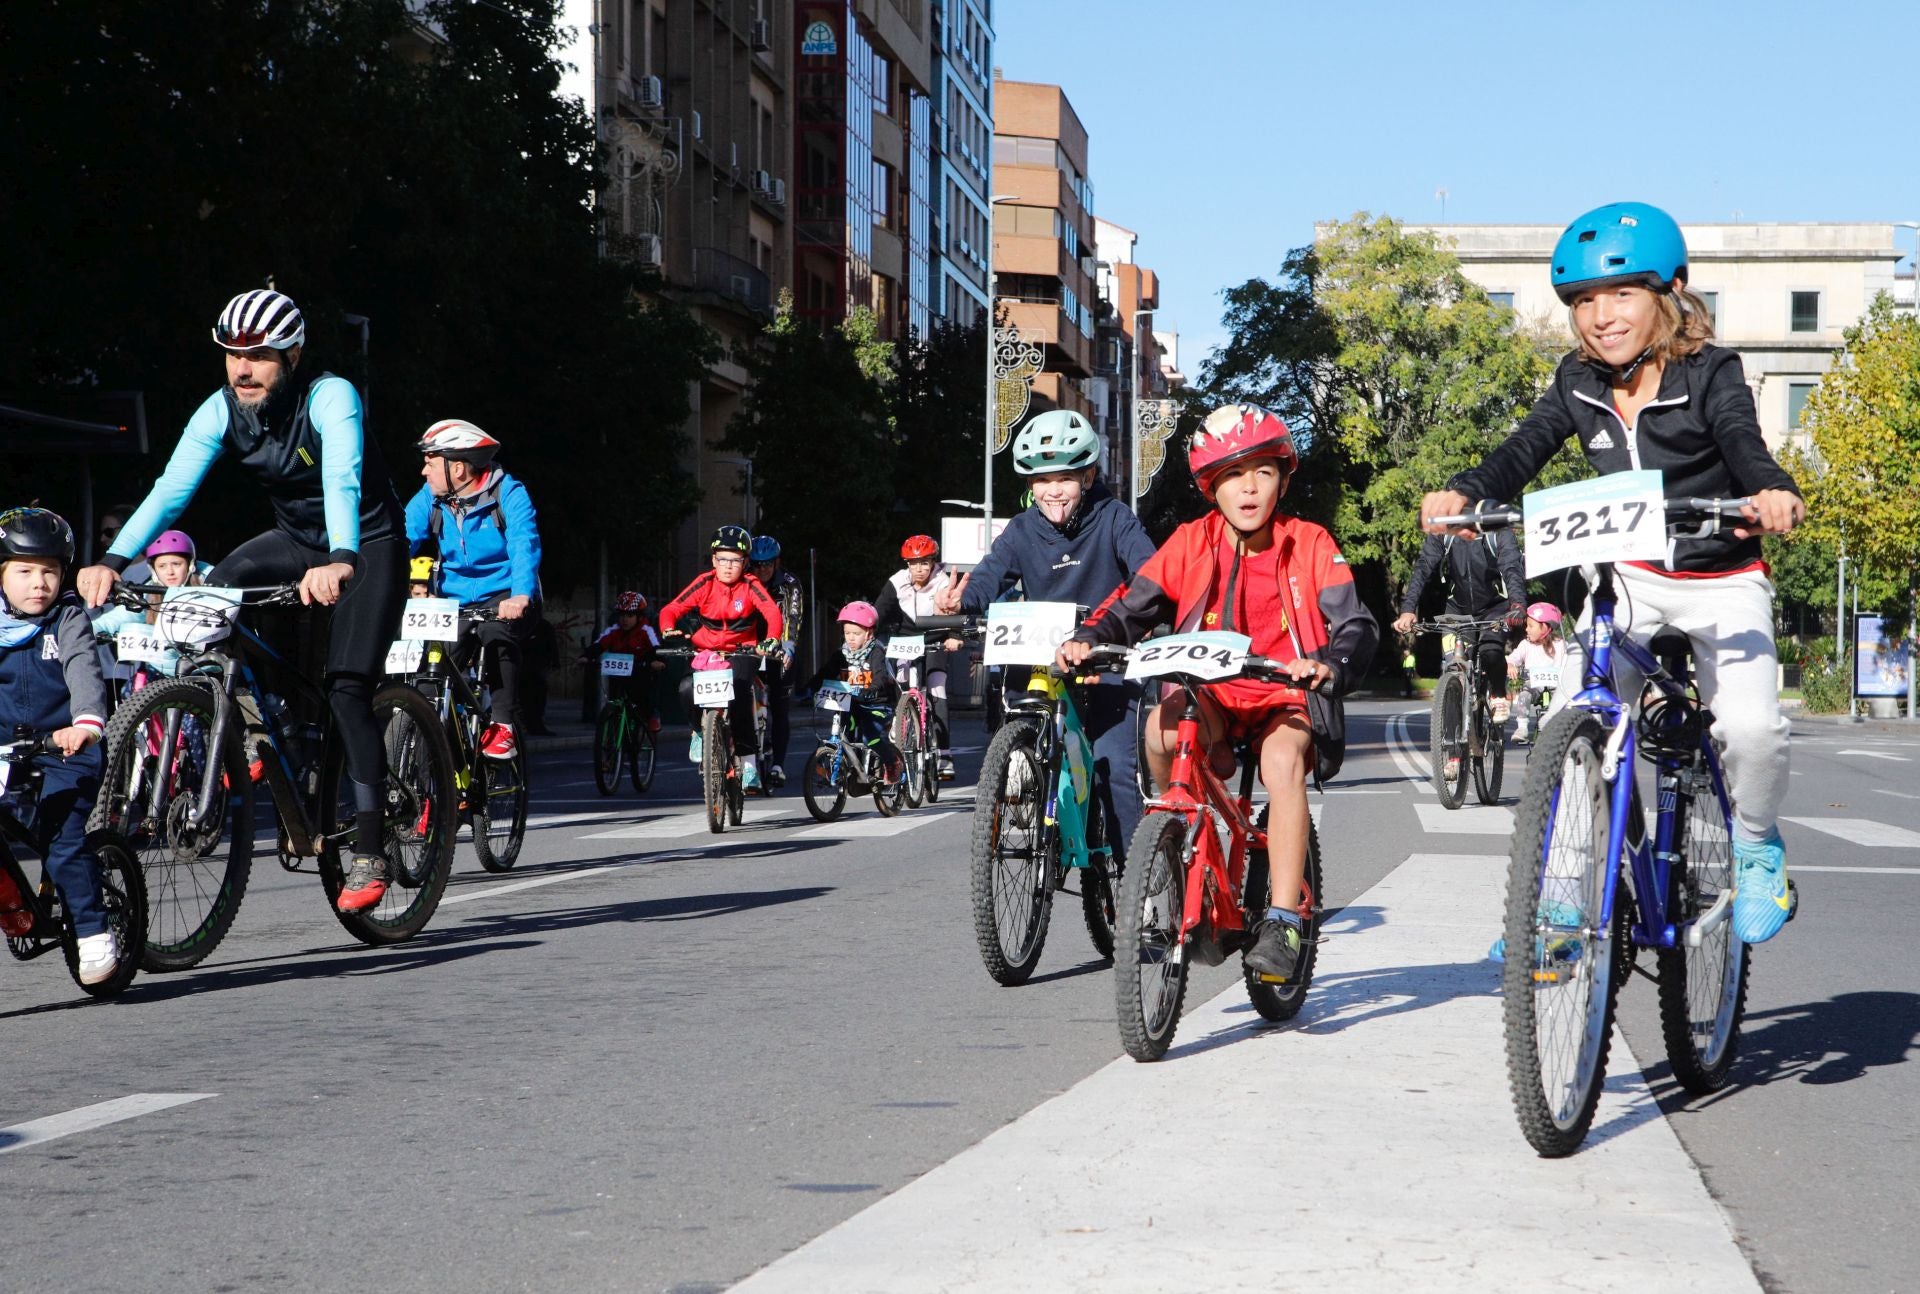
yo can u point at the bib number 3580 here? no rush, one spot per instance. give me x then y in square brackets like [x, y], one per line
[1617, 518]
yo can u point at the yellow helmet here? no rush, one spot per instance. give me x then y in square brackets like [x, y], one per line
[420, 570]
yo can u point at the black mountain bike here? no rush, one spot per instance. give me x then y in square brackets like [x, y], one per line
[621, 734]
[1464, 734]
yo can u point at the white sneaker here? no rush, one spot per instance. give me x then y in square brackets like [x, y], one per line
[99, 957]
[1501, 708]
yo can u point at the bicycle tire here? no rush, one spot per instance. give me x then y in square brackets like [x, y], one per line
[907, 740]
[1490, 765]
[1024, 893]
[123, 888]
[1557, 1043]
[421, 823]
[817, 780]
[191, 893]
[1448, 737]
[1150, 911]
[642, 754]
[1098, 905]
[716, 758]
[1277, 1002]
[1703, 991]
[609, 732]
[487, 796]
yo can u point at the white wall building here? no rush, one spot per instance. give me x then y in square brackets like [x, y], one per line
[1781, 294]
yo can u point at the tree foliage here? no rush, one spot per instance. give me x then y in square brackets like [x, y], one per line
[415, 168]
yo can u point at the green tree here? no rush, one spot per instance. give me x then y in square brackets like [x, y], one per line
[938, 400]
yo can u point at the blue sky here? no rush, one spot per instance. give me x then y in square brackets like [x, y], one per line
[1222, 129]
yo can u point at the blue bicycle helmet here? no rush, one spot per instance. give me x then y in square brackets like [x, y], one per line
[1622, 242]
[765, 549]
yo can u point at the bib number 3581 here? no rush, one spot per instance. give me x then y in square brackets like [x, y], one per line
[1617, 518]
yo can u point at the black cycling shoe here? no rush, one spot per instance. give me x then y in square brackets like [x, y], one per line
[1275, 953]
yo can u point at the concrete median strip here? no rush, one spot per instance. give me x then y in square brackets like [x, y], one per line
[1370, 1145]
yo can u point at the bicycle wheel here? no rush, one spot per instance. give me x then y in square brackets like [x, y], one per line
[1703, 991]
[1559, 978]
[609, 734]
[1491, 763]
[930, 764]
[499, 797]
[908, 740]
[1150, 978]
[1099, 882]
[716, 760]
[1283, 1001]
[1012, 894]
[192, 879]
[124, 890]
[641, 752]
[824, 791]
[1449, 738]
[421, 822]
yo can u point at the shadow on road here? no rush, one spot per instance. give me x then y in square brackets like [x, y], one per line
[1835, 1041]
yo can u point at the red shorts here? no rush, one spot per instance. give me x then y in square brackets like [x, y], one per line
[1250, 706]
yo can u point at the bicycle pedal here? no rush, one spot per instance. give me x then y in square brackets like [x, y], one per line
[1793, 899]
[1274, 979]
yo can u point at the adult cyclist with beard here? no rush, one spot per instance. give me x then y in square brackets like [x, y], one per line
[338, 531]
[1077, 543]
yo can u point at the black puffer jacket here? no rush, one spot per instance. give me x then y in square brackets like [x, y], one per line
[1700, 432]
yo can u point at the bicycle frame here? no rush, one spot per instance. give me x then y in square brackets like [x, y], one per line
[1215, 879]
[1047, 700]
[1652, 862]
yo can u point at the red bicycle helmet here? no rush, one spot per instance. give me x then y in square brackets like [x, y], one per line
[919, 547]
[1234, 433]
[629, 602]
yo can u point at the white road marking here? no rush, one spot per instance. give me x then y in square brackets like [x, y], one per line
[867, 828]
[1414, 764]
[1905, 795]
[1889, 871]
[1862, 831]
[1467, 820]
[36, 1131]
[495, 891]
[1397, 1058]
[1876, 754]
[1361, 790]
[670, 827]
[562, 819]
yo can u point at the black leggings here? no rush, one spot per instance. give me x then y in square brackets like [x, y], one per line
[508, 640]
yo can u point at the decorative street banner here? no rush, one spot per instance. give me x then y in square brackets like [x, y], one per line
[1156, 423]
[1014, 361]
[1879, 667]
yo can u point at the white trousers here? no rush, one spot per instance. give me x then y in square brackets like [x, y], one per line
[1729, 620]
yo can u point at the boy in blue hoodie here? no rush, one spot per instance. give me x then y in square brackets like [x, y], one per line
[1077, 543]
[51, 687]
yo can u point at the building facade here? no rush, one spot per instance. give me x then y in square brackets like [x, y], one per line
[1781, 294]
[1043, 256]
[962, 90]
[1127, 351]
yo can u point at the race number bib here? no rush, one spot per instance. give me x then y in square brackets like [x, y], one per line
[906, 648]
[1543, 676]
[617, 664]
[404, 656]
[834, 700]
[431, 620]
[1212, 655]
[140, 643]
[1028, 633]
[1617, 518]
[712, 688]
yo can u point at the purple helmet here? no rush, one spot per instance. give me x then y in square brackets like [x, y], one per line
[171, 541]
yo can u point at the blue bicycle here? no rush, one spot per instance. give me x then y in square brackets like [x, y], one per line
[1572, 929]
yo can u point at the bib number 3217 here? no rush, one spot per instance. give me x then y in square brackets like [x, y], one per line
[1617, 518]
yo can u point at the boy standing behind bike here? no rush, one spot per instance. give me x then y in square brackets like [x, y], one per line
[1248, 568]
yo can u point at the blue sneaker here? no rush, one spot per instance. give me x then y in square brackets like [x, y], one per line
[693, 751]
[1563, 948]
[750, 777]
[1761, 901]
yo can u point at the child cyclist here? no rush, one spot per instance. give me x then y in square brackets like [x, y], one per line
[50, 686]
[727, 610]
[1078, 544]
[909, 598]
[1535, 665]
[630, 633]
[862, 665]
[171, 561]
[1249, 568]
[1647, 389]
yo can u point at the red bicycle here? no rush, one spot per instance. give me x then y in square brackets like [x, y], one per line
[1196, 875]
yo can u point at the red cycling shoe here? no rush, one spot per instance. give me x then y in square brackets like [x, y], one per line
[497, 742]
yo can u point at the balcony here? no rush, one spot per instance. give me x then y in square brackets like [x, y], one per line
[726, 275]
[1067, 348]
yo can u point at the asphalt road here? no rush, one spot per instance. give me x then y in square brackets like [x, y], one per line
[660, 1060]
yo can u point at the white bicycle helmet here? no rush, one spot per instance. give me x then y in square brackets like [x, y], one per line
[258, 318]
[460, 439]
[1059, 440]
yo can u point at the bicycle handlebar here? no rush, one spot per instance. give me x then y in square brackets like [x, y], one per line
[25, 748]
[1691, 517]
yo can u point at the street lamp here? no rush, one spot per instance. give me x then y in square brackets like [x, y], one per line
[993, 300]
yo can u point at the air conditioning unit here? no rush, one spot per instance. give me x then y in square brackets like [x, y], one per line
[779, 197]
[646, 250]
[741, 286]
[761, 34]
[699, 131]
[648, 92]
[762, 183]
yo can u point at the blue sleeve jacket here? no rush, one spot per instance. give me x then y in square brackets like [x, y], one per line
[489, 540]
[1102, 550]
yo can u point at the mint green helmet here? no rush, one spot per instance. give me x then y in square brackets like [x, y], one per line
[1059, 440]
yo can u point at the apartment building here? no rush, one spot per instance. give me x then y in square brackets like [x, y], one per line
[863, 158]
[962, 90]
[1781, 294]
[1043, 235]
[1127, 352]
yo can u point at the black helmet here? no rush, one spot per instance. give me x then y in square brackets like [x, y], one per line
[36, 532]
[732, 539]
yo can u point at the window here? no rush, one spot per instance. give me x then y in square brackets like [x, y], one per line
[883, 195]
[1803, 313]
[1504, 299]
[1713, 309]
[1797, 394]
[883, 86]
